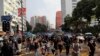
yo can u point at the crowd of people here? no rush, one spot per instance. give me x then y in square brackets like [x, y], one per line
[44, 45]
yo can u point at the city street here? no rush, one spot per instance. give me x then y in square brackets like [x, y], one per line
[84, 52]
[49, 27]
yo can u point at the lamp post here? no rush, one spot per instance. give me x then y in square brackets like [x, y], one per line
[22, 15]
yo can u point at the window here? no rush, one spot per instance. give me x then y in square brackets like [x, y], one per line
[5, 12]
[74, 0]
[13, 16]
[74, 3]
[8, 13]
[9, 3]
[73, 7]
[18, 2]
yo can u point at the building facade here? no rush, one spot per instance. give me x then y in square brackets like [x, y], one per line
[22, 16]
[10, 7]
[58, 19]
[38, 19]
[43, 20]
[67, 7]
[33, 21]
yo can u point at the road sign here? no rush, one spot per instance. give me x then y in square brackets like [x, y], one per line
[6, 18]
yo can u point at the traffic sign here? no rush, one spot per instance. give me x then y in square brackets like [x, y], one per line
[6, 18]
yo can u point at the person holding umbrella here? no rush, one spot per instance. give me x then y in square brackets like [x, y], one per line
[91, 45]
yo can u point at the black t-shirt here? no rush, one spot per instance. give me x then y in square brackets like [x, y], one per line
[7, 50]
[92, 45]
[67, 41]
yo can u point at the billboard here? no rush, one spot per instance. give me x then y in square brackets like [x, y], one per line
[21, 12]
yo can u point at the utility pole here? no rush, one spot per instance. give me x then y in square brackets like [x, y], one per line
[22, 15]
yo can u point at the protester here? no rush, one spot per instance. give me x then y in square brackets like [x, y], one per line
[91, 45]
[55, 45]
[36, 46]
[28, 42]
[15, 42]
[67, 44]
[76, 48]
[48, 46]
[60, 46]
[19, 44]
[44, 43]
[52, 48]
[6, 50]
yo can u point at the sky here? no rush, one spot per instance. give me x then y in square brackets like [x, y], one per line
[46, 8]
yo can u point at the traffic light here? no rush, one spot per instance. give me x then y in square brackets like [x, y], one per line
[6, 26]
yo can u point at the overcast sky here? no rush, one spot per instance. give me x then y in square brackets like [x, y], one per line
[43, 7]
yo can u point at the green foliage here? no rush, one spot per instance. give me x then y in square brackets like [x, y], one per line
[93, 30]
[66, 26]
[84, 10]
[40, 28]
[29, 27]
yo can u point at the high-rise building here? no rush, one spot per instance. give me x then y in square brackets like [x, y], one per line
[58, 19]
[38, 19]
[67, 7]
[33, 21]
[43, 20]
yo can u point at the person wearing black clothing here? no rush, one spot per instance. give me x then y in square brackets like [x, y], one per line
[6, 50]
[91, 45]
[55, 46]
[67, 44]
[60, 45]
[36, 46]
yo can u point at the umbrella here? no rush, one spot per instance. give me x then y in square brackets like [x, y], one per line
[80, 37]
[88, 33]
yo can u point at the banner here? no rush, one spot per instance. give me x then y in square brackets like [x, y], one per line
[21, 12]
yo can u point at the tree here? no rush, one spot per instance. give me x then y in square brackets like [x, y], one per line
[29, 27]
[97, 10]
[40, 28]
[67, 24]
[84, 10]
